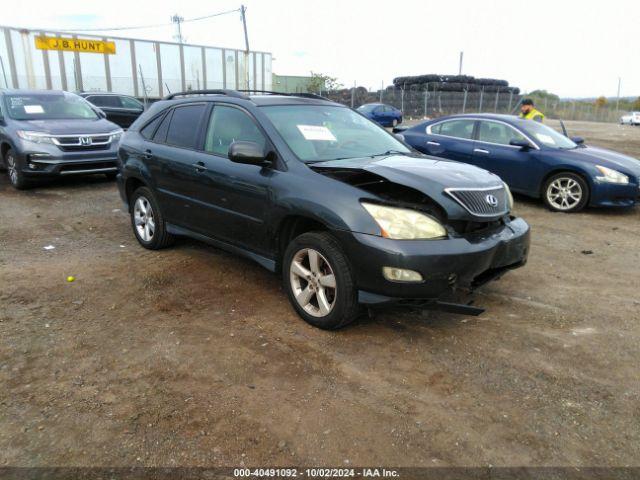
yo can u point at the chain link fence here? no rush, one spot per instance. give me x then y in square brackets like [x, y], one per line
[432, 103]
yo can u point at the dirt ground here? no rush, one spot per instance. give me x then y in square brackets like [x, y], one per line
[192, 356]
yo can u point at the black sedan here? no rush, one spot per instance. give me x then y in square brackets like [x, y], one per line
[120, 109]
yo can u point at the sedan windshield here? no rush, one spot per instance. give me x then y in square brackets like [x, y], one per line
[548, 136]
[318, 132]
[63, 106]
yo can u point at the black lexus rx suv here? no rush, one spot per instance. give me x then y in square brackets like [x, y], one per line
[310, 189]
[49, 133]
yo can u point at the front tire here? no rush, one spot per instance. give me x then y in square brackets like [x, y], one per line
[147, 220]
[14, 171]
[565, 192]
[319, 282]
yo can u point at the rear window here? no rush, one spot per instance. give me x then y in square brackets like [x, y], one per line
[185, 126]
[51, 106]
[105, 101]
[149, 129]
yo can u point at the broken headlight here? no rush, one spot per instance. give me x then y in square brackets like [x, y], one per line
[404, 224]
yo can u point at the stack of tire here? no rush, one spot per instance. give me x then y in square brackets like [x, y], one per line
[453, 83]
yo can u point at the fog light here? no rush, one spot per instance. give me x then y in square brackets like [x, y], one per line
[401, 275]
[33, 166]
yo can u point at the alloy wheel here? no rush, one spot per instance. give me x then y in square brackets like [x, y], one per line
[564, 193]
[144, 219]
[12, 170]
[313, 282]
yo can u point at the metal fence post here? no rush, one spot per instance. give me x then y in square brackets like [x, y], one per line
[497, 97]
[464, 102]
[481, 95]
[381, 90]
[426, 94]
[510, 101]
[353, 92]
[402, 100]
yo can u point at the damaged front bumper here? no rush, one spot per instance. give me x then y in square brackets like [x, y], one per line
[445, 265]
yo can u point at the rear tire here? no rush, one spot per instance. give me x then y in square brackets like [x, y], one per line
[565, 192]
[147, 220]
[319, 282]
[14, 171]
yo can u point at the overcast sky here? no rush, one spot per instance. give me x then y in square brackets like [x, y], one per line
[570, 48]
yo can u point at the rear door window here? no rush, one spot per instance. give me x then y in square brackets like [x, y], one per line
[161, 133]
[184, 128]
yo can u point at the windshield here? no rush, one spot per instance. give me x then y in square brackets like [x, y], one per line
[548, 136]
[318, 132]
[63, 106]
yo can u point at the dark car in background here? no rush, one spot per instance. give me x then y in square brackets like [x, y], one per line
[385, 115]
[49, 133]
[120, 109]
[310, 189]
[533, 159]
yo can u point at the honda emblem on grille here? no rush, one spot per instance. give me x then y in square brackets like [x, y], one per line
[85, 141]
[491, 200]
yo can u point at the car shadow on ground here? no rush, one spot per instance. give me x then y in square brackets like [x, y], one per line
[537, 204]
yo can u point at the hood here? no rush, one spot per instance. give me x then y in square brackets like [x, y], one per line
[420, 173]
[605, 158]
[67, 127]
[417, 181]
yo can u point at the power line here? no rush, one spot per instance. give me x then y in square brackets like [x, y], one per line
[139, 27]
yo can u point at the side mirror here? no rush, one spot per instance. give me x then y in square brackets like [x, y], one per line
[523, 144]
[249, 153]
[578, 140]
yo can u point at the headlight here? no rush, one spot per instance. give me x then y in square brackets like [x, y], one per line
[35, 137]
[509, 196]
[404, 224]
[115, 135]
[611, 176]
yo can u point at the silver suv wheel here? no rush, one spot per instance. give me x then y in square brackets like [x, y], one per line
[313, 282]
[143, 218]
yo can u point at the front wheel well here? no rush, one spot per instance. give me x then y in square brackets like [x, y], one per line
[292, 227]
[4, 148]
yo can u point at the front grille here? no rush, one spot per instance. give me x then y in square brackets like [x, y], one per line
[82, 143]
[486, 202]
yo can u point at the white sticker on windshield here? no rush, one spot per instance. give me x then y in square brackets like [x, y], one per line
[546, 139]
[316, 132]
[33, 109]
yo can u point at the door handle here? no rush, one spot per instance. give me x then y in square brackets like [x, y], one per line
[148, 155]
[199, 166]
[481, 150]
[436, 144]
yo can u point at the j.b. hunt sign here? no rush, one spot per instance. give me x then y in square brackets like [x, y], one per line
[75, 45]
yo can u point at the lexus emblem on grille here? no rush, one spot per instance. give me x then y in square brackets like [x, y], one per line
[491, 200]
[85, 140]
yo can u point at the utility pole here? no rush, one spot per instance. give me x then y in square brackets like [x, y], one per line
[243, 10]
[618, 96]
[460, 67]
[177, 19]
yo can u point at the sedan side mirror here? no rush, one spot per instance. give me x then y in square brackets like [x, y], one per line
[523, 144]
[249, 153]
[578, 140]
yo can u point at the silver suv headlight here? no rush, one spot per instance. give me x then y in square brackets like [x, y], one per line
[611, 176]
[404, 224]
[35, 137]
[115, 135]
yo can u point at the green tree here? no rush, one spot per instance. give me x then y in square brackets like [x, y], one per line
[544, 95]
[636, 104]
[321, 82]
[601, 101]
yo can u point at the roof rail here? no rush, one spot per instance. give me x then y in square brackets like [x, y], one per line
[229, 93]
[302, 94]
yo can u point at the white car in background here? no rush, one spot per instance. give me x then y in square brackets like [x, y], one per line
[631, 118]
